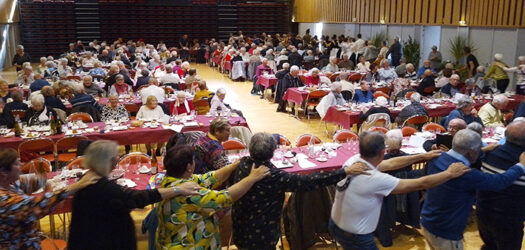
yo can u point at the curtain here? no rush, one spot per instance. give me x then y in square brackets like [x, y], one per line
[9, 38]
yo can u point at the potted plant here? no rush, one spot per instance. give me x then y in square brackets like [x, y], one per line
[411, 50]
[378, 39]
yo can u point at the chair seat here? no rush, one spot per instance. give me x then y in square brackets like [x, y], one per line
[66, 157]
[47, 244]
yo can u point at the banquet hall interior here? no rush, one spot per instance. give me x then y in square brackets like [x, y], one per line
[319, 76]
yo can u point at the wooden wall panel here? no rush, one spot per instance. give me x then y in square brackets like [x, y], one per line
[487, 13]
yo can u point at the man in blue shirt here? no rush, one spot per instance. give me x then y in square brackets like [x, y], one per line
[447, 207]
[38, 83]
[421, 70]
[364, 94]
[500, 214]
[465, 110]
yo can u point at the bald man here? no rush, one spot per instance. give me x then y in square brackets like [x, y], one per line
[501, 214]
[453, 127]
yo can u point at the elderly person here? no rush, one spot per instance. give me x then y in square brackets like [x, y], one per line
[202, 93]
[153, 89]
[51, 100]
[313, 79]
[363, 66]
[170, 78]
[490, 113]
[332, 66]
[20, 58]
[428, 82]
[498, 73]
[38, 114]
[181, 106]
[346, 63]
[434, 57]
[81, 98]
[38, 83]
[447, 208]
[217, 102]
[51, 71]
[101, 212]
[380, 107]
[453, 87]
[520, 73]
[114, 110]
[465, 110]
[26, 77]
[209, 153]
[364, 94]
[426, 65]
[255, 230]
[290, 80]
[453, 127]
[309, 57]
[471, 88]
[444, 78]
[21, 212]
[372, 75]
[90, 88]
[6, 116]
[42, 67]
[411, 73]
[104, 57]
[150, 111]
[143, 79]
[18, 102]
[120, 87]
[413, 109]
[332, 99]
[401, 69]
[89, 61]
[97, 70]
[261, 70]
[112, 77]
[191, 78]
[63, 69]
[4, 90]
[386, 73]
[181, 232]
[159, 71]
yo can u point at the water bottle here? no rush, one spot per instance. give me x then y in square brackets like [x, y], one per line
[311, 149]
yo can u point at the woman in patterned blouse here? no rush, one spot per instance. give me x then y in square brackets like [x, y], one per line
[114, 110]
[191, 222]
[19, 212]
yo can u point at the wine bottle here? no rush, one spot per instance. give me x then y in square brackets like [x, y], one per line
[17, 128]
[52, 124]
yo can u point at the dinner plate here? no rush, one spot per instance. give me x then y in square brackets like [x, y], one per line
[322, 159]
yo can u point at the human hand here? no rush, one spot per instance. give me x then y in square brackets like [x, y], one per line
[443, 148]
[189, 188]
[522, 158]
[490, 147]
[457, 169]
[436, 152]
[257, 174]
[474, 112]
[357, 168]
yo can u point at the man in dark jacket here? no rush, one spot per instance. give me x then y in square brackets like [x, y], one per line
[395, 52]
[295, 58]
[290, 80]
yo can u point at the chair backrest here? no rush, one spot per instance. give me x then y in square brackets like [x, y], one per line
[68, 143]
[408, 131]
[135, 158]
[304, 139]
[379, 93]
[34, 165]
[344, 135]
[303, 78]
[508, 117]
[429, 90]
[333, 77]
[434, 127]
[355, 77]
[385, 90]
[76, 162]
[233, 144]
[170, 89]
[283, 141]
[376, 120]
[80, 116]
[409, 94]
[21, 113]
[316, 94]
[76, 78]
[36, 146]
[416, 120]
[379, 129]
[347, 95]
[142, 87]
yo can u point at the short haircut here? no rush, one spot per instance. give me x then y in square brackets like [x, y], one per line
[371, 144]
[202, 85]
[500, 99]
[415, 97]
[294, 68]
[37, 99]
[17, 96]
[144, 72]
[119, 76]
[221, 91]
[476, 127]
[219, 124]
[466, 140]
[177, 159]
[192, 72]
[100, 156]
[8, 157]
[394, 139]
[262, 146]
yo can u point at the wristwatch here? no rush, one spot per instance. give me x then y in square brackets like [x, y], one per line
[176, 190]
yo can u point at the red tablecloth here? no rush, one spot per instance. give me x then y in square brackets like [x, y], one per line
[133, 136]
[266, 80]
[131, 106]
[227, 65]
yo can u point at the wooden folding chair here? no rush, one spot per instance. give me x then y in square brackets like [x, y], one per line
[312, 100]
[65, 145]
[34, 148]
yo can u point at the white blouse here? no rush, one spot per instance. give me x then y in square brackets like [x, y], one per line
[150, 114]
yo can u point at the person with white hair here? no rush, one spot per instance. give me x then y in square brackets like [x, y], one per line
[452, 87]
[471, 88]
[413, 109]
[63, 69]
[217, 103]
[20, 58]
[491, 114]
[89, 60]
[386, 73]
[42, 67]
[379, 107]
[283, 57]
[519, 70]
[26, 77]
[332, 66]
[411, 73]
[363, 66]
[465, 110]
[332, 99]
[313, 78]
[172, 58]
[181, 106]
[81, 98]
[498, 73]
[290, 80]
[38, 114]
[262, 69]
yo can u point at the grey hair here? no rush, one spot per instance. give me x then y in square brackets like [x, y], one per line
[88, 76]
[335, 86]
[480, 68]
[371, 144]
[50, 64]
[383, 62]
[119, 76]
[464, 101]
[262, 146]
[476, 127]
[181, 93]
[498, 56]
[409, 65]
[100, 155]
[415, 97]
[500, 99]
[521, 59]
[294, 68]
[286, 65]
[37, 99]
[20, 47]
[221, 91]
[470, 81]
[394, 138]
[43, 58]
[466, 140]
[77, 87]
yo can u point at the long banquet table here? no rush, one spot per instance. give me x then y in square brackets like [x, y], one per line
[131, 105]
[130, 136]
